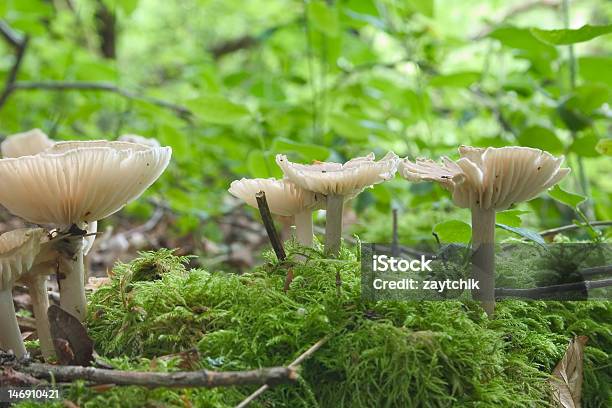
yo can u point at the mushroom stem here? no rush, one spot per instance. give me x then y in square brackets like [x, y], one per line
[40, 303]
[303, 228]
[72, 281]
[483, 257]
[333, 224]
[10, 336]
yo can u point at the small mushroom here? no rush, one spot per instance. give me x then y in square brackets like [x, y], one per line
[284, 199]
[18, 249]
[486, 181]
[73, 184]
[339, 183]
[25, 144]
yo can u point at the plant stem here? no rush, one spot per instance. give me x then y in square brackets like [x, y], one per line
[72, 280]
[10, 336]
[303, 228]
[483, 257]
[333, 224]
[37, 285]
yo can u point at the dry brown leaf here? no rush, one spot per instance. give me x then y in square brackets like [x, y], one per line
[567, 376]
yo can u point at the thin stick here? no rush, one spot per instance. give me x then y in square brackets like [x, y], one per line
[395, 251]
[266, 217]
[571, 227]
[12, 75]
[538, 293]
[303, 357]
[181, 379]
[596, 270]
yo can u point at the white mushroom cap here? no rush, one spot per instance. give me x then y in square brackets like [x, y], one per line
[139, 139]
[18, 249]
[348, 179]
[490, 178]
[76, 182]
[283, 197]
[25, 144]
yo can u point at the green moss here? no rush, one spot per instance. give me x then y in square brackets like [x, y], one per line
[380, 354]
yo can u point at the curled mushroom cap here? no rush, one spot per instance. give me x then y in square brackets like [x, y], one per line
[75, 182]
[25, 144]
[18, 249]
[139, 139]
[348, 179]
[283, 196]
[491, 178]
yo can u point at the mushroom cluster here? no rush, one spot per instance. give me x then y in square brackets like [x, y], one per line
[66, 187]
[306, 187]
[486, 181]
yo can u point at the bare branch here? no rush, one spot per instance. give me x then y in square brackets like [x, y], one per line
[9, 35]
[12, 75]
[548, 292]
[266, 217]
[181, 111]
[181, 379]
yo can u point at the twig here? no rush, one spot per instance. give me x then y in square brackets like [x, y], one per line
[303, 357]
[9, 35]
[541, 292]
[570, 227]
[180, 110]
[181, 379]
[12, 75]
[266, 217]
[596, 270]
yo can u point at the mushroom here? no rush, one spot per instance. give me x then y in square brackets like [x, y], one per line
[285, 199]
[18, 249]
[25, 144]
[73, 184]
[486, 181]
[338, 183]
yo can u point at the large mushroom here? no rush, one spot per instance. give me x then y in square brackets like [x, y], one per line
[73, 184]
[486, 181]
[339, 183]
[18, 249]
[284, 198]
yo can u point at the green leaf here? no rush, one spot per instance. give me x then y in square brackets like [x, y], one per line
[523, 39]
[570, 199]
[457, 79]
[604, 147]
[453, 231]
[425, 7]
[511, 218]
[571, 36]
[585, 145]
[596, 69]
[348, 126]
[540, 137]
[525, 233]
[217, 109]
[323, 18]
[262, 164]
[307, 150]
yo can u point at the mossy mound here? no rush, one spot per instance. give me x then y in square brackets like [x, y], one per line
[434, 354]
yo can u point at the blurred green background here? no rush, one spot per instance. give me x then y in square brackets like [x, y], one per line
[230, 83]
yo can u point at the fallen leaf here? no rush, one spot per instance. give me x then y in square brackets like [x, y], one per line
[72, 344]
[567, 376]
